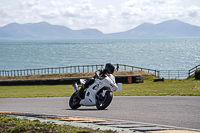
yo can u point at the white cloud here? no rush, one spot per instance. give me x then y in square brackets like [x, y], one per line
[120, 16]
[155, 11]
[193, 11]
[30, 3]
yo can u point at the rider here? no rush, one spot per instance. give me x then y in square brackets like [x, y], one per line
[108, 69]
[100, 74]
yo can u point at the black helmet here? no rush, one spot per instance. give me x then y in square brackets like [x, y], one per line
[109, 68]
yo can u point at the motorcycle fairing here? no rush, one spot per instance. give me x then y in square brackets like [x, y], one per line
[90, 95]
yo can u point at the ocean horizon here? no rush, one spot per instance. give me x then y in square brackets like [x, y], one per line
[158, 54]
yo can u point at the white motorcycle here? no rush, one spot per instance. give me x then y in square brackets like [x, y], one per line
[98, 94]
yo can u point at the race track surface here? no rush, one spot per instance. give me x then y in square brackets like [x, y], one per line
[179, 111]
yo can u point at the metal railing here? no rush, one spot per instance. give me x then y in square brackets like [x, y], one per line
[72, 69]
[192, 71]
[174, 74]
[167, 74]
[122, 67]
[55, 70]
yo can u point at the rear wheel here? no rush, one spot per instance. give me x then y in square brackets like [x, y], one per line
[74, 101]
[104, 101]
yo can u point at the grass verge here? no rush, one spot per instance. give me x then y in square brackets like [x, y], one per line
[14, 125]
[168, 87]
[187, 87]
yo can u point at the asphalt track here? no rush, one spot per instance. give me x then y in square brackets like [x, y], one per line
[179, 111]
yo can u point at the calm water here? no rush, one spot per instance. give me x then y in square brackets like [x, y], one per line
[159, 54]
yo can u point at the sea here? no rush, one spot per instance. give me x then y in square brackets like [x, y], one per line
[158, 54]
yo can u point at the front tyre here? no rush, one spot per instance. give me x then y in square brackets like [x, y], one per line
[74, 101]
[103, 102]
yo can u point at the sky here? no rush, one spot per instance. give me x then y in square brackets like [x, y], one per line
[108, 16]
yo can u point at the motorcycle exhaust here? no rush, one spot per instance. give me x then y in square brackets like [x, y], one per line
[75, 87]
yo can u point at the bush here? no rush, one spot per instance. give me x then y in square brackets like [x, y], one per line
[197, 74]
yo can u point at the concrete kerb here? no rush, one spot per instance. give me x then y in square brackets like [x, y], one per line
[77, 124]
[104, 125]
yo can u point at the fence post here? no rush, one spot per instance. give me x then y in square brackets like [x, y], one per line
[178, 74]
[66, 68]
[158, 73]
[189, 73]
[169, 74]
[78, 69]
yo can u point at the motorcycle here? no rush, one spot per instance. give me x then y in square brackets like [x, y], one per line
[98, 94]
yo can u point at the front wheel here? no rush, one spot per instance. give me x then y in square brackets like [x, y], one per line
[74, 101]
[103, 102]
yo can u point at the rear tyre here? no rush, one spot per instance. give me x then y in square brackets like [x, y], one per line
[74, 101]
[103, 102]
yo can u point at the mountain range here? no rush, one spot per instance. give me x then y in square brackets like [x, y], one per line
[43, 30]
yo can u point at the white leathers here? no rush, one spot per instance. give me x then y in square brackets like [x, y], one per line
[90, 95]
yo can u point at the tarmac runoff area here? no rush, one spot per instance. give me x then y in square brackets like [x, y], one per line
[103, 125]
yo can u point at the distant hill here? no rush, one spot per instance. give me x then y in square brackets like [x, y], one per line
[43, 30]
[167, 29]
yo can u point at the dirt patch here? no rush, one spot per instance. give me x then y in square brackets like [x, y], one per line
[70, 75]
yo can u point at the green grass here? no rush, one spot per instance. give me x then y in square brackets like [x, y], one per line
[36, 91]
[168, 87]
[10, 124]
[187, 87]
